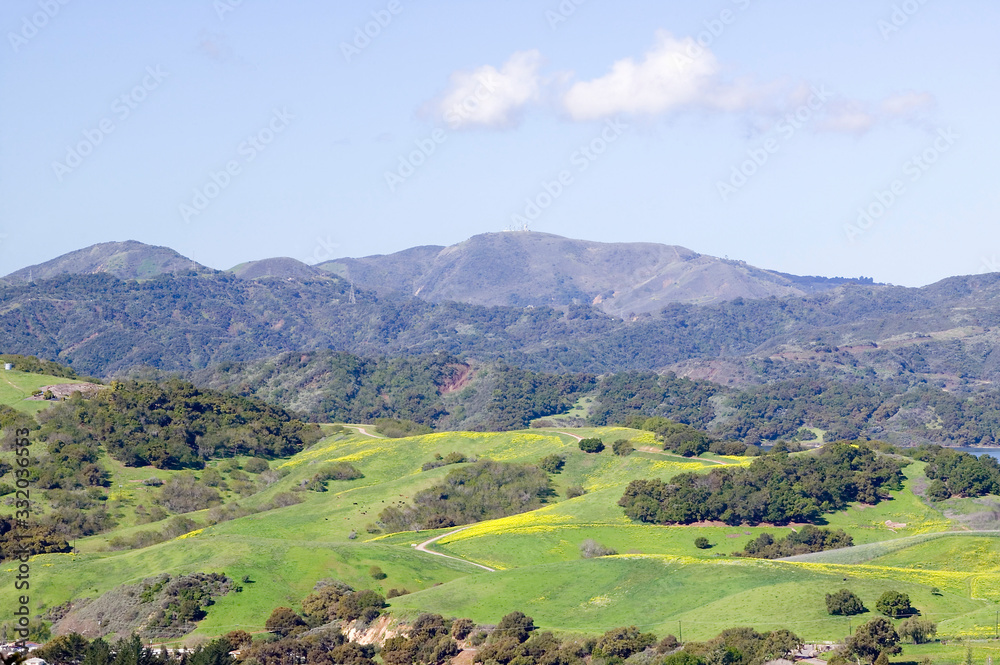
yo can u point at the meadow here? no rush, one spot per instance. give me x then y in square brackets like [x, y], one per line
[658, 580]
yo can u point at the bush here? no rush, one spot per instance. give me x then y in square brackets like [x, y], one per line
[377, 573]
[284, 622]
[395, 593]
[590, 549]
[394, 428]
[338, 471]
[620, 643]
[894, 604]
[462, 628]
[702, 543]
[622, 447]
[482, 491]
[184, 494]
[515, 625]
[591, 445]
[552, 463]
[574, 491]
[256, 465]
[844, 603]
[917, 630]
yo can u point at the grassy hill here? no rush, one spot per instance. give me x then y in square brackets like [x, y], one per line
[16, 387]
[659, 578]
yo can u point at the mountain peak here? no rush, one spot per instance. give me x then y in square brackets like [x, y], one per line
[521, 268]
[126, 260]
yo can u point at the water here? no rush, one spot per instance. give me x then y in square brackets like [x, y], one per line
[992, 452]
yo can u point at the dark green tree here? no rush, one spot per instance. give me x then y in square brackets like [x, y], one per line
[873, 638]
[844, 603]
[894, 604]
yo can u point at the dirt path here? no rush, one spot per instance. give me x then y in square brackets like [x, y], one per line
[575, 436]
[657, 451]
[362, 430]
[422, 547]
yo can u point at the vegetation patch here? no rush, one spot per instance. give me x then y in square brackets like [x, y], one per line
[775, 488]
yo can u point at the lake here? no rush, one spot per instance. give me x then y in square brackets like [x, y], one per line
[992, 452]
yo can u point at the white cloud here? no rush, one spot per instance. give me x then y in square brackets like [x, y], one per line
[906, 103]
[847, 117]
[673, 75]
[489, 97]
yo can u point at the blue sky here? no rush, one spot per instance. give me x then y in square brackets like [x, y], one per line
[849, 138]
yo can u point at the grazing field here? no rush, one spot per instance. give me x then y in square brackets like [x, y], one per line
[16, 387]
[658, 580]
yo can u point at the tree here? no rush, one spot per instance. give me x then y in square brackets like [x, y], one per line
[917, 630]
[622, 447]
[591, 445]
[515, 625]
[894, 604]
[620, 643]
[462, 628]
[64, 650]
[844, 603]
[215, 652]
[702, 543]
[284, 622]
[552, 463]
[873, 638]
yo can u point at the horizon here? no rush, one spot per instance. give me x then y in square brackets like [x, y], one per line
[317, 265]
[805, 140]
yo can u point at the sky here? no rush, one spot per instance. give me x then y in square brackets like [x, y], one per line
[855, 138]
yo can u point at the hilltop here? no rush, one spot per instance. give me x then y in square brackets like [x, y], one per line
[541, 269]
[125, 260]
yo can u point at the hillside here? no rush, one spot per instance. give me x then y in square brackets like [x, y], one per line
[540, 269]
[125, 260]
[281, 268]
[660, 576]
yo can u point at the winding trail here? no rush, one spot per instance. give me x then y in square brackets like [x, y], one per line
[422, 547]
[575, 436]
[362, 430]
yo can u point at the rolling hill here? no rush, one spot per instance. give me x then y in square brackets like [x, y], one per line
[658, 578]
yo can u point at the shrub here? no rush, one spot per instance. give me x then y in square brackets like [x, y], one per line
[591, 445]
[620, 643]
[462, 628]
[702, 543]
[844, 603]
[284, 622]
[184, 494]
[917, 630]
[590, 549]
[515, 625]
[398, 428]
[338, 471]
[552, 463]
[256, 465]
[395, 593]
[894, 604]
[377, 573]
[574, 491]
[622, 447]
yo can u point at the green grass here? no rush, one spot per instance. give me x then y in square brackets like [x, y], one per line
[16, 387]
[655, 593]
[659, 579]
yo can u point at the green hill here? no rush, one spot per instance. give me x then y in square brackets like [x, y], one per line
[658, 578]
